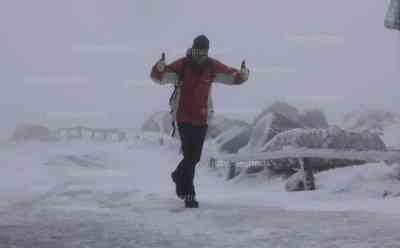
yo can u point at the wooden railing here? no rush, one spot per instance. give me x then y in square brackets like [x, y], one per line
[92, 133]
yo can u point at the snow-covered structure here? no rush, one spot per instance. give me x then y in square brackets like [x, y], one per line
[313, 118]
[281, 117]
[392, 19]
[330, 138]
[30, 132]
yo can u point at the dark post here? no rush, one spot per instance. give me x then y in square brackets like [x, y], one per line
[212, 163]
[309, 181]
[231, 171]
[93, 134]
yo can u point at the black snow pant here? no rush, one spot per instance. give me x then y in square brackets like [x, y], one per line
[192, 139]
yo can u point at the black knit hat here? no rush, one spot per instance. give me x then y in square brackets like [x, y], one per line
[201, 42]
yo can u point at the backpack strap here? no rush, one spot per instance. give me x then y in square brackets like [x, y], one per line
[175, 92]
[180, 80]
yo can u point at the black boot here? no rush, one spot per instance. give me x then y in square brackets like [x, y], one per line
[178, 187]
[191, 202]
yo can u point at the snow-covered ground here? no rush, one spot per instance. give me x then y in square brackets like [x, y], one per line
[120, 195]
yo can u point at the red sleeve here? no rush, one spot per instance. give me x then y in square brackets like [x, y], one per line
[175, 67]
[227, 71]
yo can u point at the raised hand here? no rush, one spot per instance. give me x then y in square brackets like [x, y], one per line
[161, 63]
[244, 71]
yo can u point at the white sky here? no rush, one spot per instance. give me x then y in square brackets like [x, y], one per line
[59, 57]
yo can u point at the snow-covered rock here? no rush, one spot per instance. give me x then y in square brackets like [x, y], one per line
[219, 124]
[330, 138]
[282, 108]
[266, 128]
[313, 118]
[280, 117]
[233, 139]
[295, 182]
[30, 132]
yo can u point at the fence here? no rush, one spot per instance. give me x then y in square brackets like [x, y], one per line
[93, 133]
[303, 156]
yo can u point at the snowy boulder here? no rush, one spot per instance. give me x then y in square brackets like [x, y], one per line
[330, 138]
[219, 124]
[233, 139]
[30, 132]
[159, 122]
[267, 128]
[295, 182]
[314, 118]
[281, 108]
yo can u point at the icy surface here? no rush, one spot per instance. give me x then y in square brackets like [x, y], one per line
[120, 195]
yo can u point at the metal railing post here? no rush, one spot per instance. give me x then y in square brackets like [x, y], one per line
[309, 180]
[231, 171]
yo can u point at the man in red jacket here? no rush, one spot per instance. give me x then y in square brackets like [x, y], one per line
[193, 76]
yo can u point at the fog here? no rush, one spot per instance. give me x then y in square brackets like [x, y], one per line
[73, 62]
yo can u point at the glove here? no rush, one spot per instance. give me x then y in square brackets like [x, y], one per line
[161, 63]
[244, 72]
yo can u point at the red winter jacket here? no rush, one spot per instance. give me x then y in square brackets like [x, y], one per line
[193, 93]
